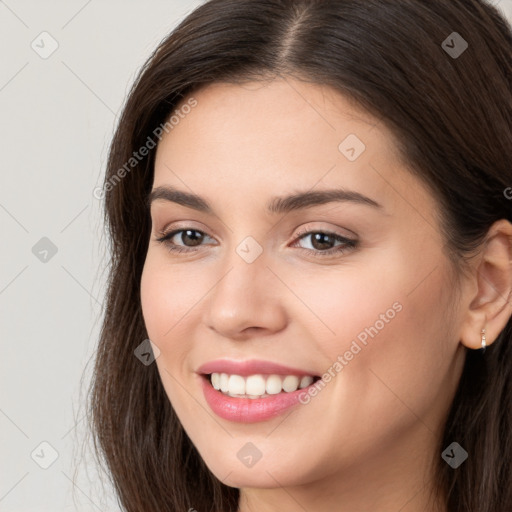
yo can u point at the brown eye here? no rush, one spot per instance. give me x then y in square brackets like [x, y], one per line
[324, 243]
[194, 236]
[181, 240]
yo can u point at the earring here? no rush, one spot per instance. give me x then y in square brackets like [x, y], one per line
[483, 340]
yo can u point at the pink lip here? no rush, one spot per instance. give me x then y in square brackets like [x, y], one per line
[250, 367]
[248, 410]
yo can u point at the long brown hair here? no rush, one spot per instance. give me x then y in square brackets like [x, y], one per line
[452, 117]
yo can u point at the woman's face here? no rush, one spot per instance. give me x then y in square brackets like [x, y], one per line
[355, 288]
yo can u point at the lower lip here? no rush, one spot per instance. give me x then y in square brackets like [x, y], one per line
[248, 410]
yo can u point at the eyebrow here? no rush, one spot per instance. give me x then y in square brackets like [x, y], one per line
[276, 205]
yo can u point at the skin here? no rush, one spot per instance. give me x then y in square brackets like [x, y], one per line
[366, 441]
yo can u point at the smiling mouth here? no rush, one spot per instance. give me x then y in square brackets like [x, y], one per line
[258, 385]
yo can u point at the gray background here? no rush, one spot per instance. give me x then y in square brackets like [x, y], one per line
[58, 114]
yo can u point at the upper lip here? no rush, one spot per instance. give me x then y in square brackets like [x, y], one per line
[250, 367]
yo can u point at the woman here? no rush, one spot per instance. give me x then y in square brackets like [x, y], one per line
[309, 211]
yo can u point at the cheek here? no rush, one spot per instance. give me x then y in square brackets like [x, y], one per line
[168, 295]
[167, 299]
[397, 295]
[342, 305]
[382, 331]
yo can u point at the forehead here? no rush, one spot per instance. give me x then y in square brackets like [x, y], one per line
[266, 138]
[268, 122]
[278, 113]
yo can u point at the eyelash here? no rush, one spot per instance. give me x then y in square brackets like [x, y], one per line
[348, 243]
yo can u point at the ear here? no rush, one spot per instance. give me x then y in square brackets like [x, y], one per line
[491, 305]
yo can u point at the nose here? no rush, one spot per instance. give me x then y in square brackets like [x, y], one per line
[246, 301]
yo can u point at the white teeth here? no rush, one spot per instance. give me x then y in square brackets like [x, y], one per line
[255, 385]
[216, 380]
[306, 381]
[258, 386]
[274, 385]
[290, 383]
[236, 385]
[224, 382]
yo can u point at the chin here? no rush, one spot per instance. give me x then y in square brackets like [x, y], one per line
[267, 474]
